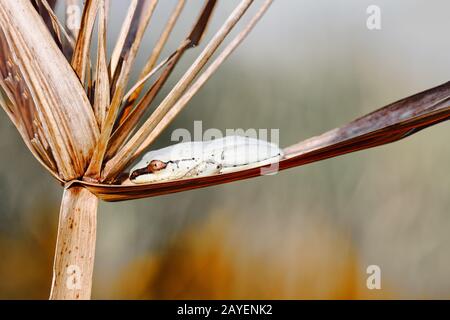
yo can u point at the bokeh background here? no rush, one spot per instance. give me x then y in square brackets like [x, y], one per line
[309, 232]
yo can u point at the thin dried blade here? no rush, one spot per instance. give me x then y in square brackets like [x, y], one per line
[129, 123]
[80, 58]
[122, 35]
[393, 122]
[152, 72]
[61, 106]
[203, 78]
[143, 13]
[130, 117]
[16, 101]
[45, 15]
[132, 41]
[199, 29]
[192, 40]
[154, 56]
[125, 155]
[102, 89]
[58, 27]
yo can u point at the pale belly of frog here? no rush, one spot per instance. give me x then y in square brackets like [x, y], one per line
[157, 171]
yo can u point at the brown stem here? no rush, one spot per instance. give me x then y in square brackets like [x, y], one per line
[75, 246]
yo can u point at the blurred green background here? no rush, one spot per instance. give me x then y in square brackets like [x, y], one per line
[309, 232]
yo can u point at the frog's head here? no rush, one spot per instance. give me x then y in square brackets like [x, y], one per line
[152, 168]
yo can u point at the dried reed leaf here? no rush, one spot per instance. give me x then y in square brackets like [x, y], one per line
[102, 89]
[42, 154]
[138, 84]
[128, 120]
[122, 35]
[61, 106]
[45, 15]
[58, 27]
[150, 64]
[132, 41]
[140, 20]
[182, 102]
[122, 132]
[123, 157]
[80, 58]
[391, 123]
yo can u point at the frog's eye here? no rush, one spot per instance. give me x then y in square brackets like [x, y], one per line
[156, 165]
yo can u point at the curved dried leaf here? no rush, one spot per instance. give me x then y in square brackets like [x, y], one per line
[391, 123]
[61, 106]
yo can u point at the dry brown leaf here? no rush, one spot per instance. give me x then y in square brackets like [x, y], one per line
[64, 112]
[150, 64]
[58, 27]
[122, 35]
[123, 157]
[80, 58]
[140, 20]
[391, 123]
[102, 98]
[182, 102]
[129, 119]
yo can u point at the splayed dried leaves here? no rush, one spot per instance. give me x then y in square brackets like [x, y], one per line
[91, 144]
[78, 121]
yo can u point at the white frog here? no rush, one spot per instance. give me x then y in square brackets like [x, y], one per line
[204, 158]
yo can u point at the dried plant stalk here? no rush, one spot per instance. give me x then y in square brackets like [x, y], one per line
[45, 14]
[75, 246]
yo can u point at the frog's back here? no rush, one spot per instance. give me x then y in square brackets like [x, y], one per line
[233, 151]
